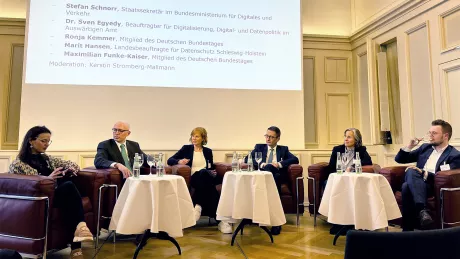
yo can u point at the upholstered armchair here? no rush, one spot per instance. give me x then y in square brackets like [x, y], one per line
[443, 206]
[317, 175]
[288, 188]
[29, 223]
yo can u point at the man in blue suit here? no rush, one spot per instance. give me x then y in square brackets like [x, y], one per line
[275, 159]
[432, 157]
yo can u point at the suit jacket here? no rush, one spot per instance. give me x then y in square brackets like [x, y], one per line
[283, 155]
[363, 155]
[108, 153]
[450, 156]
[187, 152]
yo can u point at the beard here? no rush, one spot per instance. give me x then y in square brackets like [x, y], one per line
[436, 143]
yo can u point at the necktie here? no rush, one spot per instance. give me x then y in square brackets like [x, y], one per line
[124, 154]
[270, 156]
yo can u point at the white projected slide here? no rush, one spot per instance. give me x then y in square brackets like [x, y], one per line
[241, 44]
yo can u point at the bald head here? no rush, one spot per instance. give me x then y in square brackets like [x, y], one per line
[121, 131]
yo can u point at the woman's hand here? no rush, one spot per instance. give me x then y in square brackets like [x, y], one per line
[183, 161]
[57, 173]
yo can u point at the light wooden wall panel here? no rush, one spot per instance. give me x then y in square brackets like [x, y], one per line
[311, 135]
[339, 115]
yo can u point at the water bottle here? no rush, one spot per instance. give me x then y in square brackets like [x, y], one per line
[250, 163]
[358, 167]
[338, 164]
[136, 166]
[235, 162]
[160, 166]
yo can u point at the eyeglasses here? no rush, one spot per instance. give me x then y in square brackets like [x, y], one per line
[269, 137]
[431, 133]
[118, 130]
[45, 141]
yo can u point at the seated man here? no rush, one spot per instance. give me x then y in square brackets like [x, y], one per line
[432, 157]
[118, 152]
[276, 159]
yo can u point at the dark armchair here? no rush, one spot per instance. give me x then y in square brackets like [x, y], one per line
[443, 206]
[29, 223]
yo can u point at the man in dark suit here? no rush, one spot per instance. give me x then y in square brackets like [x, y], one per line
[118, 152]
[275, 159]
[430, 158]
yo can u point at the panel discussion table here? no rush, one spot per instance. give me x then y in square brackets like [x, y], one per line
[153, 206]
[364, 200]
[251, 197]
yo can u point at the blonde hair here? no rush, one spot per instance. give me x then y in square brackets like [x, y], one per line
[202, 132]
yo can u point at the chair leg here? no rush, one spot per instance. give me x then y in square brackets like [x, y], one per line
[96, 244]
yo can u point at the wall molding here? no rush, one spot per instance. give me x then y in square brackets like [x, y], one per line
[348, 68]
[326, 42]
[350, 112]
[9, 26]
[442, 31]
[315, 119]
[420, 26]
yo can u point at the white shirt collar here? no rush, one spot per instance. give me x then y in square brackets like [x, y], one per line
[274, 148]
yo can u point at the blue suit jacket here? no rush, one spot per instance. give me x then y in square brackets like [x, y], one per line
[187, 152]
[450, 156]
[283, 155]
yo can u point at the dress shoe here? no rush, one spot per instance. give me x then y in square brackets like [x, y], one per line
[276, 230]
[425, 219]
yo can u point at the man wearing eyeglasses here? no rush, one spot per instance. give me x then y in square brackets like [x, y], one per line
[430, 158]
[118, 152]
[275, 159]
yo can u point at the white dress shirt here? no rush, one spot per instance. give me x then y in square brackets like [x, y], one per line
[274, 157]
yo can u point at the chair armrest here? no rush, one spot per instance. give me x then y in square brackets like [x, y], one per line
[319, 173]
[222, 168]
[375, 168]
[448, 179]
[25, 218]
[395, 176]
[182, 170]
[293, 172]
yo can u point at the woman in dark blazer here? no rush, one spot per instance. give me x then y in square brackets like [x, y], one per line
[353, 143]
[204, 178]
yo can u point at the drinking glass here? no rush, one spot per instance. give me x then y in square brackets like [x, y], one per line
[258, 157]
[141, 159]
[150, 162]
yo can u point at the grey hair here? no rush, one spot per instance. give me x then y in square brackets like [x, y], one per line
[357, 136]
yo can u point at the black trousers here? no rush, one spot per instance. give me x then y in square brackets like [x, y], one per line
[205, 193]
[414, 194]
[67, 199]
[9, 254]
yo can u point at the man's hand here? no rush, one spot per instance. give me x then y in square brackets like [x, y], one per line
[262, 165]
[124, 170]
[348, 169]
[183, 161]
[275, 164]
[414, 142]
[415, 168]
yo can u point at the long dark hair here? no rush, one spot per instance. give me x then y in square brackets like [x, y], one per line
[25, 152]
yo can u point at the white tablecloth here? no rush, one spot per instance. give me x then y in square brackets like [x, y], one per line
[155, 203]
[364, 200]
[250, 195]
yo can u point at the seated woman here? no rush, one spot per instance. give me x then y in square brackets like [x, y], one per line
[32, 160]
[204, 179]
[353, 143]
